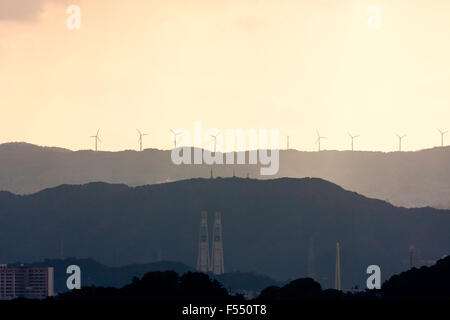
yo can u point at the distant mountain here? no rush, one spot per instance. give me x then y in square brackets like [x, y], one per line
[267, 225]
[99, 275]
[411, 179]
[418, 285]
[426, 283]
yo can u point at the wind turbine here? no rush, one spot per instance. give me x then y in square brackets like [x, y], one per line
[319, 138]
[175, 134]
[215, 140]
[400, 141]
[140, 138]
[443, 133]
[97, 138]
[353, 137]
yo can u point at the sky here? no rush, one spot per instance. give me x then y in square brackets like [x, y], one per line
[294, 65]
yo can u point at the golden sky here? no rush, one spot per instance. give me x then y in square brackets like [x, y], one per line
[293, 65]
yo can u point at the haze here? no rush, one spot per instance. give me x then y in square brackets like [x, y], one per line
[298, 66]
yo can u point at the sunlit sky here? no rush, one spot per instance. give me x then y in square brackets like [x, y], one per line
[293, 65]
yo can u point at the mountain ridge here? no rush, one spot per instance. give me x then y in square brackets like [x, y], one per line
[267, 226]
[410, 179]
[97, 274]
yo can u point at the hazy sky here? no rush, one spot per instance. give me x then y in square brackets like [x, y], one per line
[293, 65]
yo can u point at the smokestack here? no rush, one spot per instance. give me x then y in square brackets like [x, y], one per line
[337, 276]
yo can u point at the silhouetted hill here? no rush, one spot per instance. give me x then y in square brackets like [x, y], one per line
[249, 281]
[99, 275]
[426, 283]
[300, 289]
[411, 179]
[158, 286]
[267, 226]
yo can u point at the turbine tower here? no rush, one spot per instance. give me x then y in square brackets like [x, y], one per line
[175, 134]
[217, 266]
[140, 138]
[443, 133]
[319, 138]
[215, 140]
[97, 139]
[353, 138]
[400, 138]
[203, 245]
[337, 275]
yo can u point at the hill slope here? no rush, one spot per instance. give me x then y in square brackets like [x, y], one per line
[411, 179]
[426, 283]
[267, 226]
[97, 274]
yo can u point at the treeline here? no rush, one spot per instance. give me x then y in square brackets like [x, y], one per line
[159, 286]
[426, 283]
